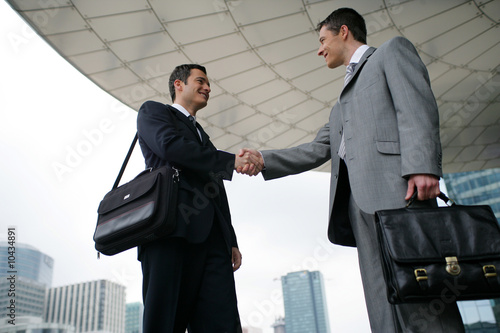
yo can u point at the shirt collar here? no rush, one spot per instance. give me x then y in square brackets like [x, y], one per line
[183, 110]
[356, 57]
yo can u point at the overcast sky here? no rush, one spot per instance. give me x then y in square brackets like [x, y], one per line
[62, 143]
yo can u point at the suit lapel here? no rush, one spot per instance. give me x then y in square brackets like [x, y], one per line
[188, 123]
[361, 63]
[204, 136]
[358, 67]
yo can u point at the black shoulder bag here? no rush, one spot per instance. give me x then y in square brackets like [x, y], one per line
[139, 211]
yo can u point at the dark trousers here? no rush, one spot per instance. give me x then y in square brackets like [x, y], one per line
[189, 286]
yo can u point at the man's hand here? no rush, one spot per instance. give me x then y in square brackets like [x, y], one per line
[236, 258]
[249, 161]
[427, 187]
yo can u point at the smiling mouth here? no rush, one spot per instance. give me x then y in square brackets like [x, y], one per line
[204, 95]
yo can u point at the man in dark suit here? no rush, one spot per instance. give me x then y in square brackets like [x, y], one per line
[383, 142]
[188, 277]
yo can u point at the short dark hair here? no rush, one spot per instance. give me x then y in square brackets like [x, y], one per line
[182, 73]
[349, 17]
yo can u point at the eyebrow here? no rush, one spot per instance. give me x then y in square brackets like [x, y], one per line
[203, 79]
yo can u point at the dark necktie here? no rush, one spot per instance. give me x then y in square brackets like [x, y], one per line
[193, 121]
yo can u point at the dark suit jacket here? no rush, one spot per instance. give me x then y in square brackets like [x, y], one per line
[167, 136]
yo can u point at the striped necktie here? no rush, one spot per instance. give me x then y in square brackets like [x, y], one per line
[347, 78]
[193, 120]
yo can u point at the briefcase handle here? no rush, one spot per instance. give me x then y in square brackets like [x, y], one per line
[442, 196]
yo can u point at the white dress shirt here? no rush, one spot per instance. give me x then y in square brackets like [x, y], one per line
[187, 114]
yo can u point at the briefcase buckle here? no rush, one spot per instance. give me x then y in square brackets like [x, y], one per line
[489, 271]
[452, 266]
[420, 274]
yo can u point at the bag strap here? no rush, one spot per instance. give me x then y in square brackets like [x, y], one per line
[124, 165]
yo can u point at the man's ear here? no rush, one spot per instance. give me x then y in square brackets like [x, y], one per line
[344, 31]
[179, 85]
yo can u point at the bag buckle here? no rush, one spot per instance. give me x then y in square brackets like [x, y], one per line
[489, 271]
[420, 274]
[175, 176]
[452, 266]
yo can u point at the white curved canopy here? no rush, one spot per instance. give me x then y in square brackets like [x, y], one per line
[269, 88]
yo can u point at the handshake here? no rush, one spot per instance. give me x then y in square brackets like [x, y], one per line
[249, 162]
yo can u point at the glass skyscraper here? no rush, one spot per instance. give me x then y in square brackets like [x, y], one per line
[25, 274]
[478, 188]
[29, 263]
[305, 303]
[475, 188]
[133, 317]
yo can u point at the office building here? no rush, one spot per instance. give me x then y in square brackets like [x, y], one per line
[27, 261]
[305, 303]
[34, 325]
[478, 188]
[22, 297]
[133, 317]
[25, 274]
[96, 306]
[279, 325]
[475, 188]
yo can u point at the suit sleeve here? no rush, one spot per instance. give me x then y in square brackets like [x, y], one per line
[307, 156]
[159, 128]
[416, 109]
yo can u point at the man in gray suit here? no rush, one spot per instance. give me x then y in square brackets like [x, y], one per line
[383, 141]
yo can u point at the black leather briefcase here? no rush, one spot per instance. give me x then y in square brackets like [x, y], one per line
[447, 253]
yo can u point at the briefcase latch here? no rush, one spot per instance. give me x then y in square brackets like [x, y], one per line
[452, 266]
[489, 271]
[420, 274]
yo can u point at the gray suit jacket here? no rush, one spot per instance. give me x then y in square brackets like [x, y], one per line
[391, 128]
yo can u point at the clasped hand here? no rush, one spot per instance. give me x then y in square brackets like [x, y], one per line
[249, 162]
